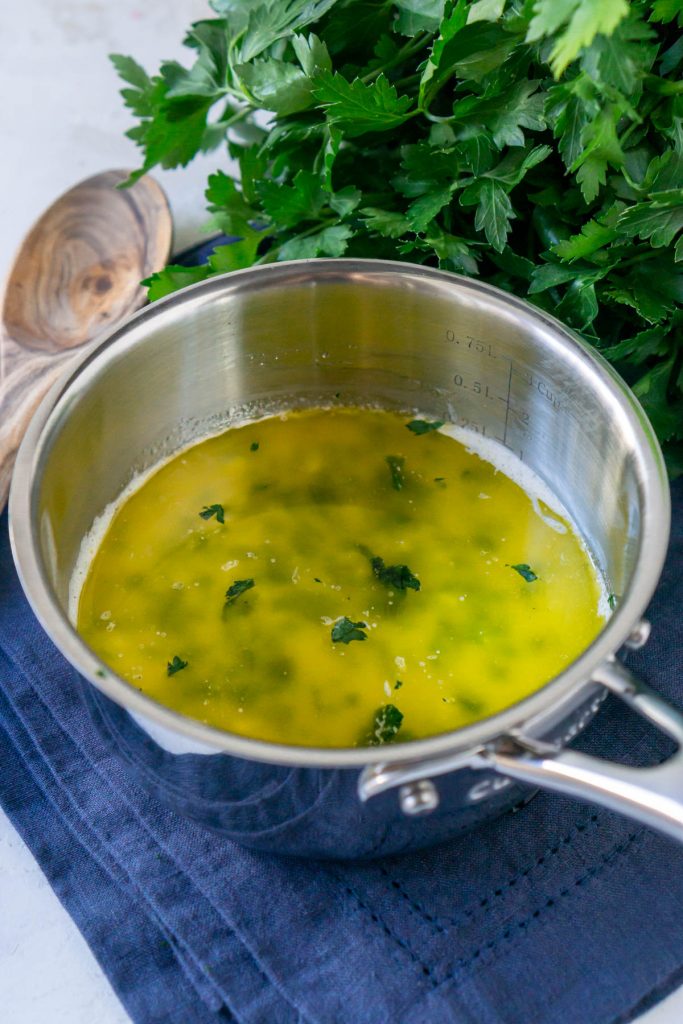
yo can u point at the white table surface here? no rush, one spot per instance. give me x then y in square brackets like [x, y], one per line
[62, 120]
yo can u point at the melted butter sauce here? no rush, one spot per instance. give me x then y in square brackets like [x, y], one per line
[309, 499]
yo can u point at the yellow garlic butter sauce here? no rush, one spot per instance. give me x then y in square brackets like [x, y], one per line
[337, 516]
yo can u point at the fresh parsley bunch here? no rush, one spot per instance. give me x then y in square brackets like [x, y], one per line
[537, 143]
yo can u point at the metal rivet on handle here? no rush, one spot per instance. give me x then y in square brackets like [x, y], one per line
[638, 636]
[419, 797]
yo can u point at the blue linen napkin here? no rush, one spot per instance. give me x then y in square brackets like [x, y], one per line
[560, 913]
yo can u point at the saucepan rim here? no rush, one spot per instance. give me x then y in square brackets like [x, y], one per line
[24, 530]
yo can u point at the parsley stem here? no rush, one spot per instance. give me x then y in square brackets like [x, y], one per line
[418, 43]
[676, 366]
[407, 80]
[237, 94]
[639, 258]
[238, 116]
[437, 85]
[647, 110]
[436, 118]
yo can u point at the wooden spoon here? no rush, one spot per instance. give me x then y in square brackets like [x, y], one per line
[77, 273]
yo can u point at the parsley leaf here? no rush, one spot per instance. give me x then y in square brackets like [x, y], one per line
[273, 20]
[525, 109]
[600, 148]
[660, 220]
[213, 510]
[525, 571]
[236, 589]
[277, 86]
[254, 446]
[312, 54]
[441, 56]
[357, 108]
[330, 241]
[289, 204]
[494, 211]
[386, 724]
[398, 576]
[171, 278]
[581, 20]
[344, 631]
[593, 237]
[141, 99]
[667, 10]
[387, 223]
[175, 665]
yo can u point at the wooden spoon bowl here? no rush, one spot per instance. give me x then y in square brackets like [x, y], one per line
[77, 273]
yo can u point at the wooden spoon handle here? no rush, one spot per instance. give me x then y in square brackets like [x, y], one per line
[20, 394]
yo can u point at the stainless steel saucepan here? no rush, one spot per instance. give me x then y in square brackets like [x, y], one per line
[405, 337]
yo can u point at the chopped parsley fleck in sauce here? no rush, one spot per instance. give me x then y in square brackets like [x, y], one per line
[237, 589]
[396, 464]
[525, 571]
[213, 510]
[398, 576]
[175, 665]
[386, 724]
[419, 427]
[344, 631]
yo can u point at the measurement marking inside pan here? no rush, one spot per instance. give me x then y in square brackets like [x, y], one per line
[484, 390]
[507, 406]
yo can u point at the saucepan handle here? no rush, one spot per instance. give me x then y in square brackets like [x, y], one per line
[651, 795]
